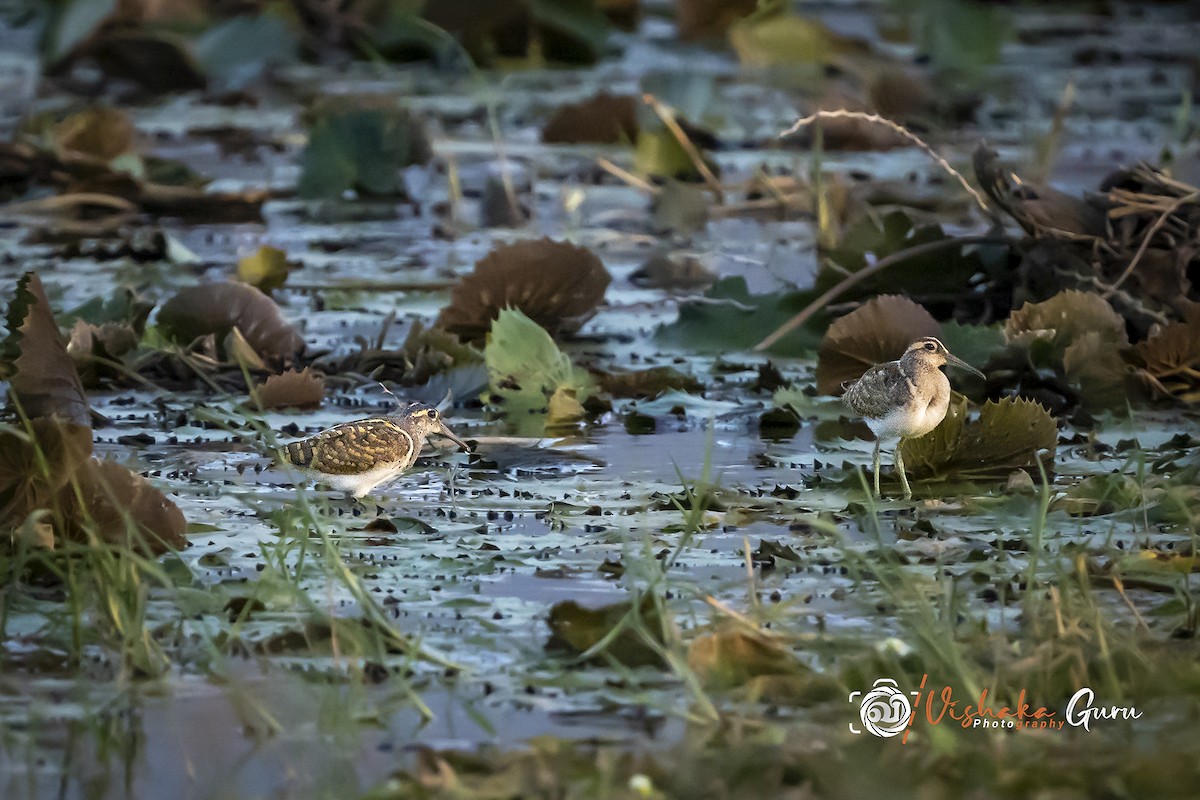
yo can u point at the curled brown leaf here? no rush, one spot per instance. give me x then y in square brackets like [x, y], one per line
[292, 389]
[878, 331]
[220, 307]
[556, 284]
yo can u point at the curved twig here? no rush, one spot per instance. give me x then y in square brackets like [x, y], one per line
[866, 272]
[844, 113]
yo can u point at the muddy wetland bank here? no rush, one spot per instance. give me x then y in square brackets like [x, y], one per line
[583, 283]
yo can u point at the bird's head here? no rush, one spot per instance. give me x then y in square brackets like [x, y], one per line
[928, 350]
[424, 419]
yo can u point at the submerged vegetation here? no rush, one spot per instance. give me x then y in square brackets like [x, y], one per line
[635, 250]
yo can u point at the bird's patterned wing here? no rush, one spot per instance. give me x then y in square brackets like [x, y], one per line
[353, 447]
[881, 389]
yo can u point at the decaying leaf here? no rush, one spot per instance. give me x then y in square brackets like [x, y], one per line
[663, 272]
[576, 630]
[732, 657]
[1065, 317]
[266, 268]
[43, 381]
[46, 463]
[217, 308]
[1009, 435]
[1172, 358]
[37, 461]
[1078, 336]
[556, 284]
[291, 389]
[91, 345]
[701, 19]
[648, 383]
[878, 331]
[1104, 378]
[432, 350]
[123, 508]
[531, 380]
[100, 133]
[602, 119]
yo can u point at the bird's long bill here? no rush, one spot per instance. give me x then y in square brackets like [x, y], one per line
[958, 362]
[449, 434]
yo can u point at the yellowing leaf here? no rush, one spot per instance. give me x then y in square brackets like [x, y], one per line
[731, 657]
[266, 268]
[784, 39]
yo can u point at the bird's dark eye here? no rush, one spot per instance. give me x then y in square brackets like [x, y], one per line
[432, 413]
[930, 346]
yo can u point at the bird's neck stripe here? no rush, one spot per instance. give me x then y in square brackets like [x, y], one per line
[412, 445]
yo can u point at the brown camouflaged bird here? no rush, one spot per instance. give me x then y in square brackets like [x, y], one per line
[904, 399]
[355, 457]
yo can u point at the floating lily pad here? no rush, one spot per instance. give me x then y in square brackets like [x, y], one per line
[361, 144]
[602, 119]
[1010, 435]
[576, 630]
[784, 39]
[648, 383]
[729, 318]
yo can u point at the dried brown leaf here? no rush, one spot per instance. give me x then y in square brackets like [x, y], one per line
[556, 284]
[101, 133]
[292, 389]
[37, 462]
[217, 308]
[878, 331]
[648, 383]
[121, 508]
[1173, 359]
[44, 382]
[602, 119]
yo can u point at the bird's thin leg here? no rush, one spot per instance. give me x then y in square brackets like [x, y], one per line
[900, 469]
[875, 467]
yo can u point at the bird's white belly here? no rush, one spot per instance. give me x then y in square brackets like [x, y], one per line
[908, 421]
[361, 483]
